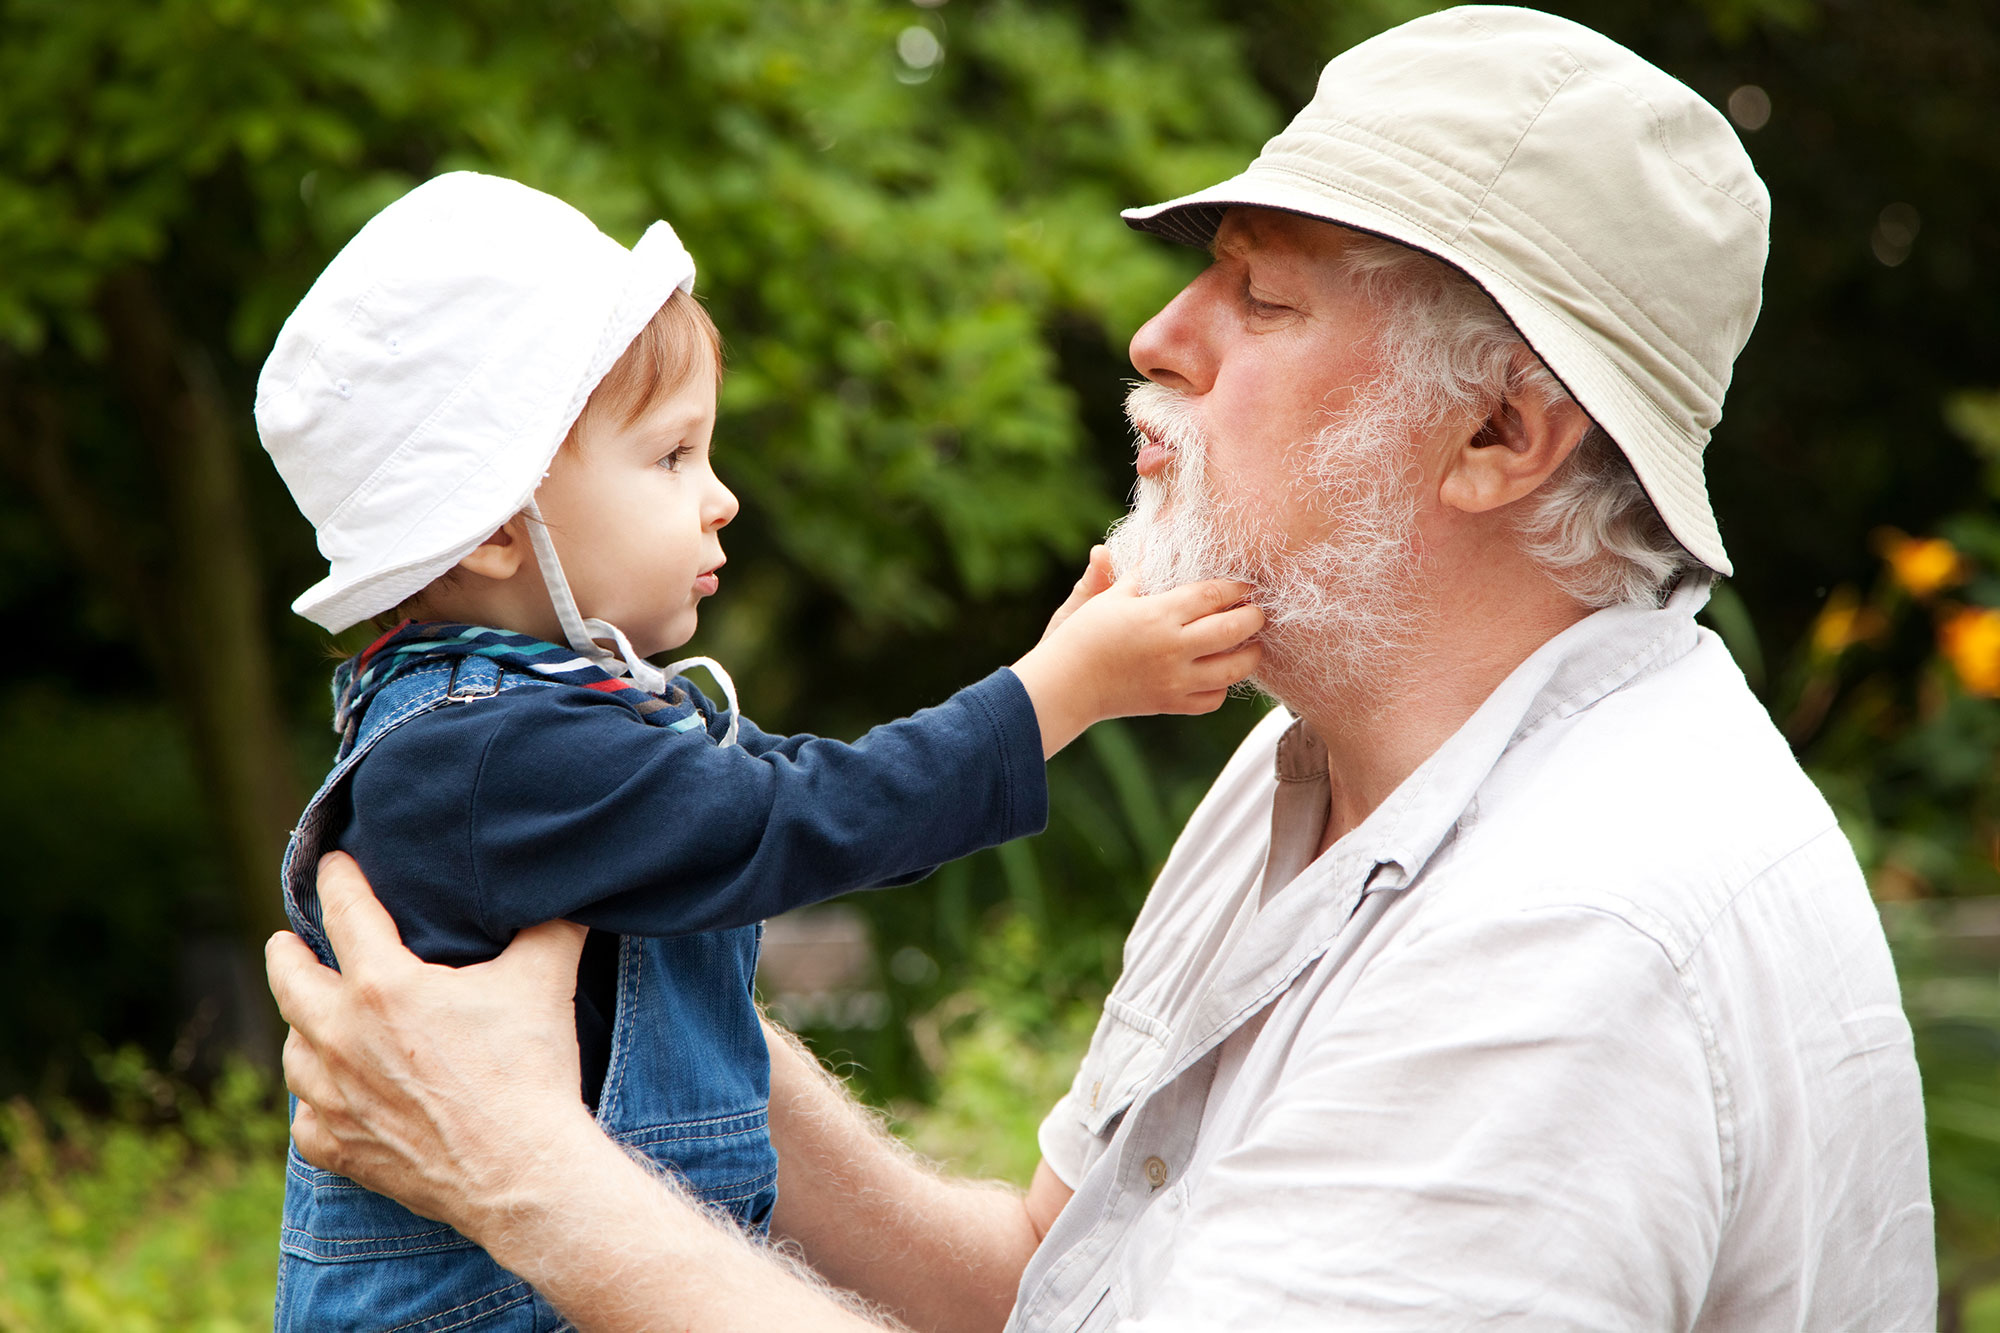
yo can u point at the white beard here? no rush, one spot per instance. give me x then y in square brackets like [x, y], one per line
[1339, 612]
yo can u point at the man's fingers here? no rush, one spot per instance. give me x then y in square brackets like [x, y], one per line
[543, 958]
[305, 1072]
[299, 982]
[360, 930]
[309, 1136]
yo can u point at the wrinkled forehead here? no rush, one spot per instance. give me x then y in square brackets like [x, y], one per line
[1273, 236]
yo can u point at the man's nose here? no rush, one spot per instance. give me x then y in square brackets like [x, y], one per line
[1172, 348]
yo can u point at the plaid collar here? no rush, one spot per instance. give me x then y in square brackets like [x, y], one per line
[414, 643]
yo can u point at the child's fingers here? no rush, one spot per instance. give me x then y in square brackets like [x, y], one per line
[1223, 629]
[1204, 701]
[1096, 579]
[1098, 574]
[1192, 601]
[1220, 671]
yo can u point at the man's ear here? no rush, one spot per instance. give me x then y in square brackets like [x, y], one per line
[500, 556]
[1513, 452]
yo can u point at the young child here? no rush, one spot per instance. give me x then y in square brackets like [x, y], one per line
[498, 420]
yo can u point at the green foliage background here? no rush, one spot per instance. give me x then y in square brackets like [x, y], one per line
[925, 293]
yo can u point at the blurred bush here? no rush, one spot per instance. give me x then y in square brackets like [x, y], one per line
[159, 1216]
[1894, 702]
[911, 290]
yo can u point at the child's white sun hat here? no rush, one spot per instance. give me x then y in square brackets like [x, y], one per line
[414, 400]
[1605, 206]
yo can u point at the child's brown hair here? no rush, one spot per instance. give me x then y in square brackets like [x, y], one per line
[678, 343]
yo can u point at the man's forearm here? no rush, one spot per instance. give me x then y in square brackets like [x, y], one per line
[872, 1217]
[620, 1250]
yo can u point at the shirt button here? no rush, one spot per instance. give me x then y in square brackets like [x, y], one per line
[1156, 1172]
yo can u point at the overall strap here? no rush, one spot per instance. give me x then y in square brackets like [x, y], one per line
[410, 695]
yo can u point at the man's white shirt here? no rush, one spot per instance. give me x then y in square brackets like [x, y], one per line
[1591, 1025]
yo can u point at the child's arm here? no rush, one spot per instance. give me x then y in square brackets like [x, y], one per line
[485, 817]
[559, 803]
[1111, 652]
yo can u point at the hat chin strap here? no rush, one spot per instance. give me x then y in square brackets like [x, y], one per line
[583, 634]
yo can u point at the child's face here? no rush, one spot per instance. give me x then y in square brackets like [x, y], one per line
[635, 512]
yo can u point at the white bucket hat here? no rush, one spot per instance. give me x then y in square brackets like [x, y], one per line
[1602, 204]
[414, 400]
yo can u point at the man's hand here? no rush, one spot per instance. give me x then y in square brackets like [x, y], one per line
[454, 1090]
[1112, 652]
[429, 1084]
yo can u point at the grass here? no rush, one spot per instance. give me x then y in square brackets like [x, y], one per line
[161, 1216]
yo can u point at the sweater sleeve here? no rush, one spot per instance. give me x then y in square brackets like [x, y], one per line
[577, 809]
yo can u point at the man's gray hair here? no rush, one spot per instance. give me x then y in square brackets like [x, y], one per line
[1447, 348]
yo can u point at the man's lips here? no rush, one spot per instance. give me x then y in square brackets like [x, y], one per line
[1153, 455]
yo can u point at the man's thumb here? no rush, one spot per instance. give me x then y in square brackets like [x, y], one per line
[546, 955]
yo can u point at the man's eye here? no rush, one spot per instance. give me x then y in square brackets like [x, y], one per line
[672, 462]
[1258, 306]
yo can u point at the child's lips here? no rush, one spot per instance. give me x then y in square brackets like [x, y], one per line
[706, 584]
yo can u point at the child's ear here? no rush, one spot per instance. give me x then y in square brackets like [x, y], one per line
[500, 556]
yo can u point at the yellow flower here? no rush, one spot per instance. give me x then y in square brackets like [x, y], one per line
[1970, 640]
[1895, 883]
[1844, 622]
[1922, 566]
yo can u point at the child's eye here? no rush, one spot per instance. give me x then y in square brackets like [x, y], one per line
[672, 462]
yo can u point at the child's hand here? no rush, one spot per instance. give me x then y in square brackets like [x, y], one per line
[1097, 577]
[1115, 653]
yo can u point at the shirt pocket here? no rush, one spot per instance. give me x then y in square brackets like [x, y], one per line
[1125, 1052]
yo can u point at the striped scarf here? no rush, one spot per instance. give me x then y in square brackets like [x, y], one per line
[415, 643]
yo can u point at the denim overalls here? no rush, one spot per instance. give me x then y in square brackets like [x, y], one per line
[687, 1086]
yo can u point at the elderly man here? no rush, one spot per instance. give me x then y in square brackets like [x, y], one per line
[1511, 973]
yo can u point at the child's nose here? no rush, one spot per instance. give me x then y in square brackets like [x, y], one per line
[722, 507]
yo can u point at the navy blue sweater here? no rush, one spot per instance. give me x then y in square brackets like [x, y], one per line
[539, 803]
